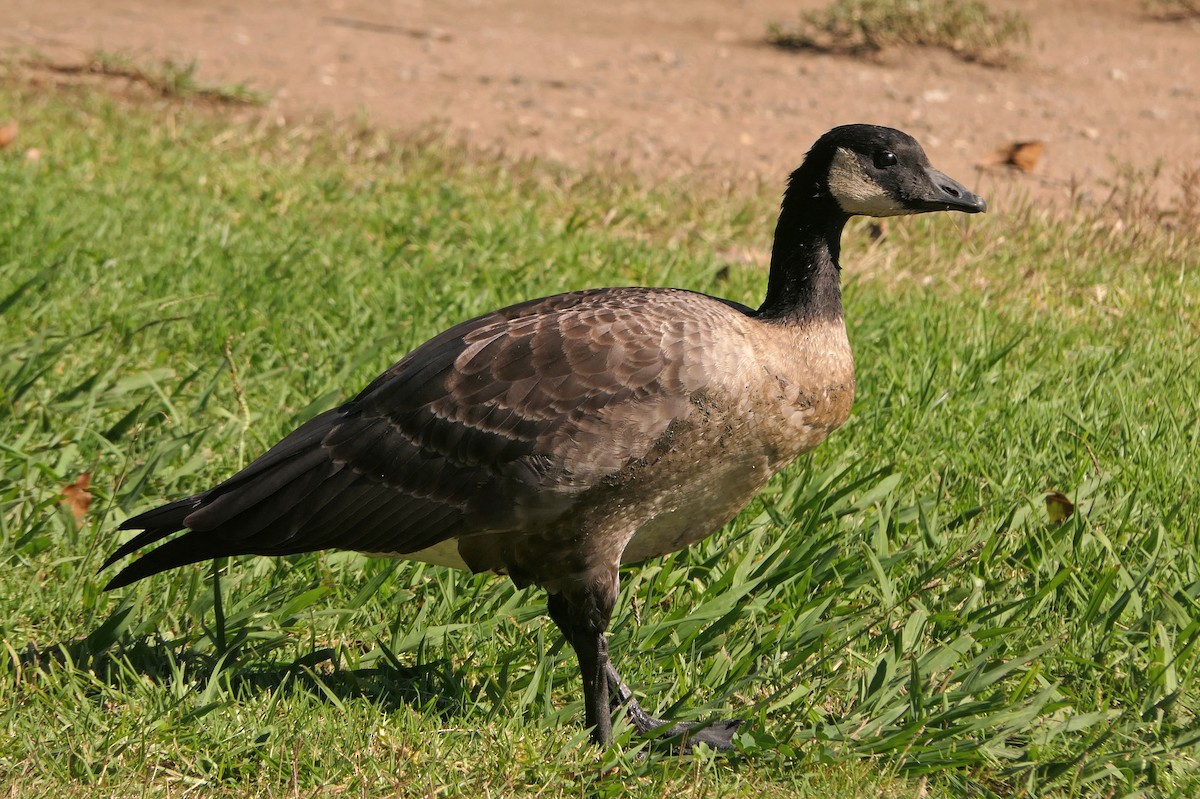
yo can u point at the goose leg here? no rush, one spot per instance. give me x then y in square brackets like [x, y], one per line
[604, 692]
[584, 631]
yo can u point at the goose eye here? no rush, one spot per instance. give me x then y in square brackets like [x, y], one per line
[884, 158]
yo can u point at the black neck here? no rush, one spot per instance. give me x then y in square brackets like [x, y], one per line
[804, 282]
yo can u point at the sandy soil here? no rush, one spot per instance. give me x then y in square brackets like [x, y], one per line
[674, 85]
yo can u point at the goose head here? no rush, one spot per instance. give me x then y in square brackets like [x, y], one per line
[871, 170]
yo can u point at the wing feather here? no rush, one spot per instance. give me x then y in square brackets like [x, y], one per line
[494, 425]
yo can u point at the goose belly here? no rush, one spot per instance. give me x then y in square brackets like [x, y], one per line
[702, 500]
[443, 553]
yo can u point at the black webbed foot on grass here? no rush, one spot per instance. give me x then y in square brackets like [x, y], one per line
[682, 736]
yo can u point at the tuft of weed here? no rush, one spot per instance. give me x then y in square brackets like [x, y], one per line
[966, 28]
[1172, 10]
[167, 78]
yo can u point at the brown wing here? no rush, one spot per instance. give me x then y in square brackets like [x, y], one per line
[494, 425]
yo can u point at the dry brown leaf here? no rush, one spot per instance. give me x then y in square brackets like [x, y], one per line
[1058, 507]
[1022, 155]
[1025, 155]
[77, 497]
[8, 134]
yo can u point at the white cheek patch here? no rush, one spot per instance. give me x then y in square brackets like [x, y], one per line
[856, 191]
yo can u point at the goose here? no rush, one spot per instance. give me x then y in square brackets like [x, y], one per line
[559, 439]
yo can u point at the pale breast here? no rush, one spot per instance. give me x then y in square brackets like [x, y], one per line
[784, 390]
[807, 387]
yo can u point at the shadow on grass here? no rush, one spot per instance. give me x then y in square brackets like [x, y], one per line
[434, 686]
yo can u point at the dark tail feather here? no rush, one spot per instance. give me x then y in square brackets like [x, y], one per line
[157, 523]
[260, 493]
[233, 522]
[253, 508]
[186, 549]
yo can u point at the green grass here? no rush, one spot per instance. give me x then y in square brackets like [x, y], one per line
[895, 616]
[967, 28]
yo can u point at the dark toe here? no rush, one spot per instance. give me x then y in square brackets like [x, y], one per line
[717, 735]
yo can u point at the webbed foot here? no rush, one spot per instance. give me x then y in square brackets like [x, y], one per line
[681, 736]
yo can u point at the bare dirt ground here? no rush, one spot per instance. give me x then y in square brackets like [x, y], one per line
[672, 86]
